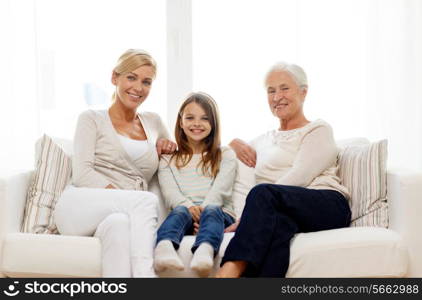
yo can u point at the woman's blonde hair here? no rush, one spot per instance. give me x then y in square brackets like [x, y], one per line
[211, 154]
[132, 59]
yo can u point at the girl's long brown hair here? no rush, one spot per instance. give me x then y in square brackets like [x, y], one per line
[211, 155]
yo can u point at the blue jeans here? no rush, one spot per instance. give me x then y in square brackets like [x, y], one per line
[211, 226]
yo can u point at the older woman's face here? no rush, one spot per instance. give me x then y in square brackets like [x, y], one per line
[285, 97]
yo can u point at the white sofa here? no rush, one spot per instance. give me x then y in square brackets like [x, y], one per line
[348, 252]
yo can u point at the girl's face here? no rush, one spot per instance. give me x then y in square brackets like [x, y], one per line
[195, 123]
[133, 88]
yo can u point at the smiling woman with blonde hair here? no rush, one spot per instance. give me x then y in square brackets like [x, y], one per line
[116, 153]
[298, 189]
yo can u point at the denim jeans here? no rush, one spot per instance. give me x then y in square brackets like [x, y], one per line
[273, 214]
[179, 222]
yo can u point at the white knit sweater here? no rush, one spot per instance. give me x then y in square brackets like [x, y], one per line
[305, 157]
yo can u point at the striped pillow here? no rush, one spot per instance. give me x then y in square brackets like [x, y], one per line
[51, 176]
[362, 169]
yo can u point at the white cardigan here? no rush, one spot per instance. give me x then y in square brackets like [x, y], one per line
[99, 158]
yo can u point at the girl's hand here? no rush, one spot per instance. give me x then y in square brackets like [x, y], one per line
[196, 211]
[232, 227]
[244, 152]
[195, 228]
[165, 146]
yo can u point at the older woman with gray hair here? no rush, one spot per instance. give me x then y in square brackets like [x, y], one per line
[298, 189]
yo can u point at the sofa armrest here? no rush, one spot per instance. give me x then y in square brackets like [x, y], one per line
[13, 189]
[405, 207]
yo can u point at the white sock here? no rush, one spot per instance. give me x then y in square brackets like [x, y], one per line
[166, 257]
[203, 260]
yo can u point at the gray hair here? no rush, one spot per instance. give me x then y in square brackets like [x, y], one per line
[297, 73]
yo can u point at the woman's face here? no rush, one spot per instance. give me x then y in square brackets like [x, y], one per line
[195, 123]
[132, 88]
[285, 97]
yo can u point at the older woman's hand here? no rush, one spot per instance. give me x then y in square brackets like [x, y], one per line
[165, 146]
[244, 152]
[232, 227]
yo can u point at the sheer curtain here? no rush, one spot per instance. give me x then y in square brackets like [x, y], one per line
[57, 58]
[19, 115]
[363, 59]
[79, 42]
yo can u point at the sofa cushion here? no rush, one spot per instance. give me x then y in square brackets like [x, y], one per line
[363, 170]
[51, 176]
[47, 255]
[65, 144]
[346, 252]
[244, 181]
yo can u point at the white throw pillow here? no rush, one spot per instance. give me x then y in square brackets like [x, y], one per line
[363, 170]
[52, 174]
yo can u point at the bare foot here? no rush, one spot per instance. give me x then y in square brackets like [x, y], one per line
[232, 269]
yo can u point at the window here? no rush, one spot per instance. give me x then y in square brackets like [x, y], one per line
[362, 57]
[233, 52]
[363, 60]
[78, 43]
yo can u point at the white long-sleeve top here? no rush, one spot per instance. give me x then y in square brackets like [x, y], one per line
[100, 159]
[189, 186]
[305, 157]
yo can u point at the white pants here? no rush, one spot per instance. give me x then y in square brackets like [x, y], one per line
[124, 220]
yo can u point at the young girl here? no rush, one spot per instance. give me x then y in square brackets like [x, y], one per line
[196, 182]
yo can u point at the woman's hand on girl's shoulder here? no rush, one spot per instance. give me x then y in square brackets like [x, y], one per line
[165, 146]
[244, 152]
